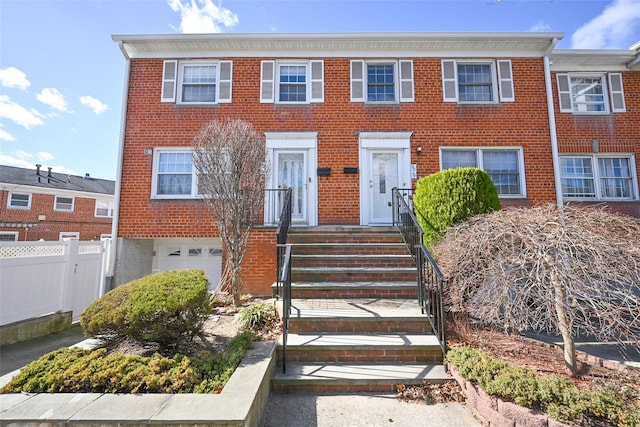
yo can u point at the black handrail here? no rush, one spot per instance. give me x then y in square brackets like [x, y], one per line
[282, 232]
[430, 279]
[285, 279]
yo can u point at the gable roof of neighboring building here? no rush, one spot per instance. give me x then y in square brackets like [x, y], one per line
[53, 180]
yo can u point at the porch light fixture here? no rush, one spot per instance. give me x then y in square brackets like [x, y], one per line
[419, 149]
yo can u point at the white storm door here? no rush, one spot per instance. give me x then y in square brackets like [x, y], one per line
[291, 172]
[384, 175]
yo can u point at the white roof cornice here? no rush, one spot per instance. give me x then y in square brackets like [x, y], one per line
[441, 44]
[593, 60]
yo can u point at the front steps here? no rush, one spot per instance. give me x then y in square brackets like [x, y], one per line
[355, 321]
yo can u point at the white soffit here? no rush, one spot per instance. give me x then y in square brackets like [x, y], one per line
[591, 60]
[337, 45]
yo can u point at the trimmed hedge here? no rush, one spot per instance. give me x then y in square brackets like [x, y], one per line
[554, 394]
[162, 308]
[451, 196]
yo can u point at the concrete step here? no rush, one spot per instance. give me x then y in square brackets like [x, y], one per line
[346, 248]
[351, 290]
[352, 260]
[358, 316]
[353, 274]
[361, 348]
[369, 237]
[354, 377]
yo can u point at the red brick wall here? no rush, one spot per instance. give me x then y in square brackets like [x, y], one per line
[259, 263]
[82, 219]
[616, 133]
[434, 123]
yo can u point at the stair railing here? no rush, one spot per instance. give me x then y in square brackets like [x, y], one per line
[430, 279]
[285, 279]
[282, 232]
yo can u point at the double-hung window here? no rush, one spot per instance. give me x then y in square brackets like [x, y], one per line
[19, 200]
[104, 209]
[382, 81]
[63, 204]
[598, 177]
[587, 93]
[504, 166]
[174, 175]
[196, 82]
[477, 81]
[292, 82]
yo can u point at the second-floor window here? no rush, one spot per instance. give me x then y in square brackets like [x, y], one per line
[19, 200]
[292, 82]
[174, 175]
[104, 209]
[587, 93]
[477, 81]
[63, 204]
[382, 81]
[504, 166]
[598, 177]
[196, 82]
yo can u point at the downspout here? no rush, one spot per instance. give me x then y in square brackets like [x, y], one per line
[552, 124]
[116, 196]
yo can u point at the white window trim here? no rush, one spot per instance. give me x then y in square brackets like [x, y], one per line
[110, 208]
[605, 93]
[180, 82]
[396, 80]
[9, 233]
[307, 67]
[154, 179]
[69, 235]
[479, 158]
[498, 81]
[10, 206]
[596, 177]
[55, 204]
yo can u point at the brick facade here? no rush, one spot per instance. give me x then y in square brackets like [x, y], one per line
[525, 124]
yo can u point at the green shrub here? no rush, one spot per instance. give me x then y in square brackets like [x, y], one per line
[255, 317]
[556, 395]
[451, 196]
[162, 308]
[74, 370]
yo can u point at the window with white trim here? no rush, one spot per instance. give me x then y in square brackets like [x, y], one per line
[8, 236]
[505, 166]
[598, 177]
[382, 81]
[19, 200]
[63, 204]
[477, 81]
[292, 82]
[588, 93]
[174, 175]
[69, 235]
[104, 208]
[196, 82]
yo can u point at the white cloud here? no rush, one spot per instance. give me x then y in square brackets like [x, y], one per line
[18, 114]
[540, 26]
[95, 104]
[612, 29]
[23, 159]
[4, 135]
[53, 98]
[202, 16]
[12, 77]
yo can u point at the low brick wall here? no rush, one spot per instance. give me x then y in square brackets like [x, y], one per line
[495, 412]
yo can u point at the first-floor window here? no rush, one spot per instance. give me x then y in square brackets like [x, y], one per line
[63, 203]
[8, 236]
[598, 177]
[69, 235]
[504, 166]
[104, 208]
[174, 174]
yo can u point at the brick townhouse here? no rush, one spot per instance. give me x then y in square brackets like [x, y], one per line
[38, 204]
[347, 117]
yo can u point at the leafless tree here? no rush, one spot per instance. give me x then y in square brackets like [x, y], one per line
[230, 159]
[522, 269]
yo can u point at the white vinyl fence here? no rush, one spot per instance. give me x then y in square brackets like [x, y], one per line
[39, 278]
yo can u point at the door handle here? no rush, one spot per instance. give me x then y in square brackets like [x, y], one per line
[389, 204]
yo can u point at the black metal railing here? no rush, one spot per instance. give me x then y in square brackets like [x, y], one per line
[282, 232]
[285, 279]
[430, 279]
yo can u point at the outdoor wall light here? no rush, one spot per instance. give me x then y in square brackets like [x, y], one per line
[419, 149]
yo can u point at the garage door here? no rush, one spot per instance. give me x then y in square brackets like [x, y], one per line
[203, 254]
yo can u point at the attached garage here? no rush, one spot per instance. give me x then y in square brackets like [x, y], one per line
[179, 254]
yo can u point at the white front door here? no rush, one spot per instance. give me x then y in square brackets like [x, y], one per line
[291, 171]
[384, 175]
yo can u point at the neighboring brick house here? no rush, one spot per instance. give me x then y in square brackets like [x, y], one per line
[45, 205]
[347, 117]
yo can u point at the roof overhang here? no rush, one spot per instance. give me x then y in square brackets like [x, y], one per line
[594, 60]
[441, 44]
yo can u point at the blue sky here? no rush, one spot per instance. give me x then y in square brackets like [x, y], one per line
[61, 76]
